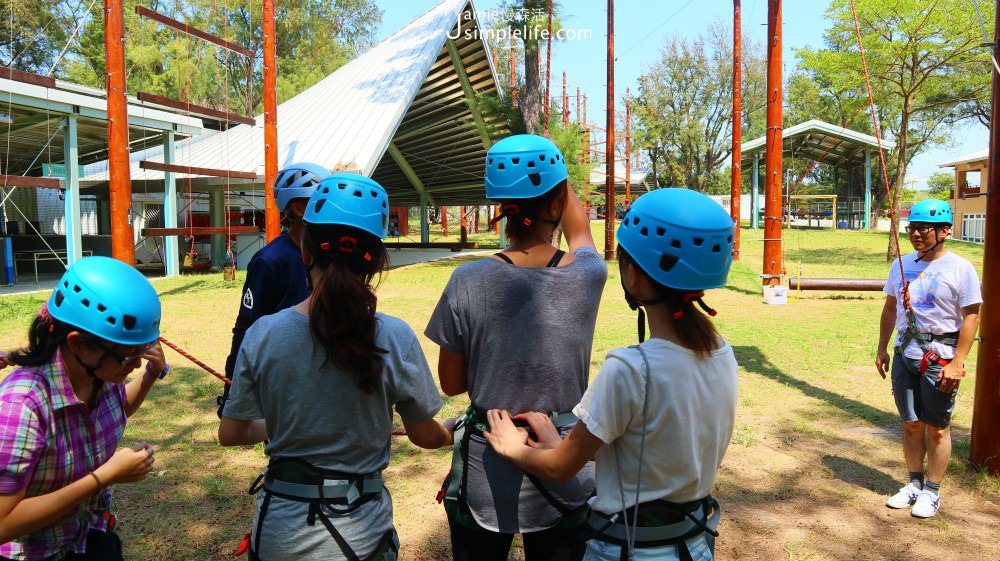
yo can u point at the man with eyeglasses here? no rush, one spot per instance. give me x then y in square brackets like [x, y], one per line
[935, 334]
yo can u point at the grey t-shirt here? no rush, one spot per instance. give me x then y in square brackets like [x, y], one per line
[315, 411]
[526, 335]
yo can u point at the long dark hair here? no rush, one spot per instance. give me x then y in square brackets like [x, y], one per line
[694, 329]
[44, 337]
[531, 209]
[342, 316]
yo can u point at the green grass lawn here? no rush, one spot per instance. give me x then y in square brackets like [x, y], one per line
[816, 448]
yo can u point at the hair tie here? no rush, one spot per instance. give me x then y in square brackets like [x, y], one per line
[694, 296]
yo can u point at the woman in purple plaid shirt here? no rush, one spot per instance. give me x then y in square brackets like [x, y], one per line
[63, 412]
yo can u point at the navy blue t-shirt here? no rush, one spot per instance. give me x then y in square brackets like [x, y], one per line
[276, 279]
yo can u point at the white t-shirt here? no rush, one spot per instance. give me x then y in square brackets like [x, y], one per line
[939, 289]
[689, 422]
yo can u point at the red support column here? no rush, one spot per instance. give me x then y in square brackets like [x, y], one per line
[272, 217]
[120, 183]
[628, 148]
[548, 71]
[984, 449]
[773, 264]
[463, 225]
[735, 171]
[609, 183]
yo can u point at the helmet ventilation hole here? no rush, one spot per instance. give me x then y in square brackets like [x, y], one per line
[357, 193]
[552, 161]
[325, 190]
[85, 302]
[374, 194]
[635, 220]
[667, 262]
[102, 308]
[644, 231]
[675, 244]
[515, 161]
[59, 298]
[341, 186]
[730, 239]
[76, 288]
[660, 231]
[531, 163]
[535, 178]
[541, 157]
[111, 320]
[625, 222]
[384, 205]
[716, 248]
[319, 204]
[128, 322]
[699, 241]
[501, 166]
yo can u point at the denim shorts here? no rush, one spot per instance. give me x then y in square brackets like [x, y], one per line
[918, 396]
[598, 550]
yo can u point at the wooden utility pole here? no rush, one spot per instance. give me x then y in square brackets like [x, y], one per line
[548, 71]
[120, 180]
[628, 148]
[565, 103]
[736, 169]
[609, 145]
[773, 264]
[984, 449]
[272, 216]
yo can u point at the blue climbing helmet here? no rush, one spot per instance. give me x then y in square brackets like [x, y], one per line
[349, 199]
[680, 238]
[297, 181]
[108, 299]
[523, 166]
[932, 211]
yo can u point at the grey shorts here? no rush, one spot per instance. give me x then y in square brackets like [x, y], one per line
[918, 397]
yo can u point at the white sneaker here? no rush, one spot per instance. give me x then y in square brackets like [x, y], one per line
[904, 498]
[927, 504]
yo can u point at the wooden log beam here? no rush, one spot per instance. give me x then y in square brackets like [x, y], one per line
[872, 285]
[27, 181]
[198, 231]
[181, 26]
[177, 168]
[454, 246]
[193, 108]
[27, 77]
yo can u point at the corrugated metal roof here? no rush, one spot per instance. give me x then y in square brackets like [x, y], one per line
[405, 88]
[637, 176]
[819, 141]
[968, 158]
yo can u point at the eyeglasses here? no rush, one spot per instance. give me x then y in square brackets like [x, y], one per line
[131, 357]
[919, 228]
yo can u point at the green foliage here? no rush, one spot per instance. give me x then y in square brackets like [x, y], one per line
[683, 111]
[33, 32]
[941, 184]
[571, 141]
[313, 38]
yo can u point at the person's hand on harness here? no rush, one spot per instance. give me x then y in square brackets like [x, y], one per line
[546, 434]
[950, 376]
[882, 362]
[504, 436]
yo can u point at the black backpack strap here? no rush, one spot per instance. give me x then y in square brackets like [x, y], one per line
[556, 258]
[504, 257]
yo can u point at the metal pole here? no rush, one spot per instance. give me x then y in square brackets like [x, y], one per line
[74, 242]
[628, 148]
[984, 448]
[548, 70]
[736, 170]
[171, 256]
[565, 103]
[755, 201]
[120, 180]
[578, 105]
[272, 218]
[609, 144]
[868, 188]
[773, 265]
[513, 74]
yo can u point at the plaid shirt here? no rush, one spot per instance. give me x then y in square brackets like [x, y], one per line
[49, 439]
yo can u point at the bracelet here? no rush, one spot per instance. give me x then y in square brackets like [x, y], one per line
[161, 375]
[100, 484]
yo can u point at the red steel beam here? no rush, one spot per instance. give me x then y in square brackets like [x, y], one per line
[198, 231]
[177, 168]
[193, 108]
[28, 181]
[736, 170]
[609, 141]
[773, 264]
[120, 181]
[984, 449]
[27, 77]
[181, 26]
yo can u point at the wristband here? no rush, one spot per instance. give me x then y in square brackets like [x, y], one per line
[161, 375]
[100, 484]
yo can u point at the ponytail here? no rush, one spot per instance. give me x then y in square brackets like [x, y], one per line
[342, 314]
[44, 337]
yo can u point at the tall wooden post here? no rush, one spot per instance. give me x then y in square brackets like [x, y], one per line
[609, 145]
[772, 181]
[513, 77]
[272, 216]
[735, 191]
[548, 71]
[463, 224]
[565, 103]
[984, 447]
[628, 148]
[120, 180]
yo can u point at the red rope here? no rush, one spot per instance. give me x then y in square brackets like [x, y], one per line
[206, 367]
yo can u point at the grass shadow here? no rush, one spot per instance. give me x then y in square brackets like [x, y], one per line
[753, 360]
[860, 475]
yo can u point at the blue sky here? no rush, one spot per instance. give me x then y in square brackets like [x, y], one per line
[642, 26]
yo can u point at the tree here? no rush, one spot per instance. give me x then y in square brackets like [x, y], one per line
[529, 21]
[927, 73]
[683, 109]
[941, 184]
[34, 32]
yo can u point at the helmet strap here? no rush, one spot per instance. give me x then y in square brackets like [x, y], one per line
[922, 254]
[637, 304]
[694, 296]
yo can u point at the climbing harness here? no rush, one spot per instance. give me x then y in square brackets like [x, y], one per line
[452, 492]
[654, 523]
[324, 490]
